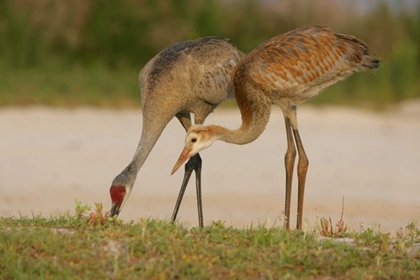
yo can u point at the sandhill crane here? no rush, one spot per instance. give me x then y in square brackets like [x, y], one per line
[286, 71]
[190, 76]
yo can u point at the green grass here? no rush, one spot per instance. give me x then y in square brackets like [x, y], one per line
[83, 246]
[66, 55]
[96, 85]
[55, 85]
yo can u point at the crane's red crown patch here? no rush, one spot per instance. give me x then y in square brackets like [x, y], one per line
[117, 194]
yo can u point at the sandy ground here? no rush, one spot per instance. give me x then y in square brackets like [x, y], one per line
[51, 157]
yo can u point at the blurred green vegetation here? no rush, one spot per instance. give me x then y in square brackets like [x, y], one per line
[89, 52]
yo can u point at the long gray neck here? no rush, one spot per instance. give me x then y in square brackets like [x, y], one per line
[149, 136]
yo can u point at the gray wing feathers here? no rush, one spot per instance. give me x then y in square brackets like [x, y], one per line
[203, 65]
[216, 68]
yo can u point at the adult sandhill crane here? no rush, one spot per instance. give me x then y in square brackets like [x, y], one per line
[191, 76]
[286, 71]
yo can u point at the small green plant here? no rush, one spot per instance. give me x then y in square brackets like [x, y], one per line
[96, 218]
[327, 225]
[385, 242]
[412, 232]
[80, 210]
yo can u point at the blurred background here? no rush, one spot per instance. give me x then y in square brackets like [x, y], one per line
[89, 52]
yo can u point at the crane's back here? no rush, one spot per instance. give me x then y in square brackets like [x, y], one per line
[200, 67]
[299, 64]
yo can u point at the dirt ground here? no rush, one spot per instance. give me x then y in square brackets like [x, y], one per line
[51, 157]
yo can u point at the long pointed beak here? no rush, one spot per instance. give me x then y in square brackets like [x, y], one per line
[185, 154]
[115, 209]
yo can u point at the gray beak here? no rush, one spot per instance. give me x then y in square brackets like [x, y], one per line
[115, 209]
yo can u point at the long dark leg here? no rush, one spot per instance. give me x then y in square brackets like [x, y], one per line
[302, 169]
[185, 120]
[193, 164]
[289, 162]
[188, 171]
[198, 188]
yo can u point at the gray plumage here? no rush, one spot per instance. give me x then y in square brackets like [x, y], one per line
[187, 77]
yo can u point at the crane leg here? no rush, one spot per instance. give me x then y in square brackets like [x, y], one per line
[198, 189]
[289, 162]
[302, 169]
[193, 164]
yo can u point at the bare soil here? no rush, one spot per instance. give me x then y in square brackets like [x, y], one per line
[51, 157]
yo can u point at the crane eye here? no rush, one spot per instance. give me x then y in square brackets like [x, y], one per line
[123, 194]
[194, 140]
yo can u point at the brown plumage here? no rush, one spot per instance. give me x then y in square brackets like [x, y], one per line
[190, 76]
[285, 71]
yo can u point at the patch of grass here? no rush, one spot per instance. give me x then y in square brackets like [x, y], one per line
[96, 85]
[55, 85]
[81, 246]
[57, 53]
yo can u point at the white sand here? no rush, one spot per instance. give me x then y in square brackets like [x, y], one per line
[51, 157]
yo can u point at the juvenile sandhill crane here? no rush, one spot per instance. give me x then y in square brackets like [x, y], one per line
[191, 76]
[286, 71]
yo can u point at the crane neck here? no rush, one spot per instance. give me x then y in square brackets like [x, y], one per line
[149, 136]
[255, 108]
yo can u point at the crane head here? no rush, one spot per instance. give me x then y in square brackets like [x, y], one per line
[121, 188]
[198, 138]
[119, 195]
